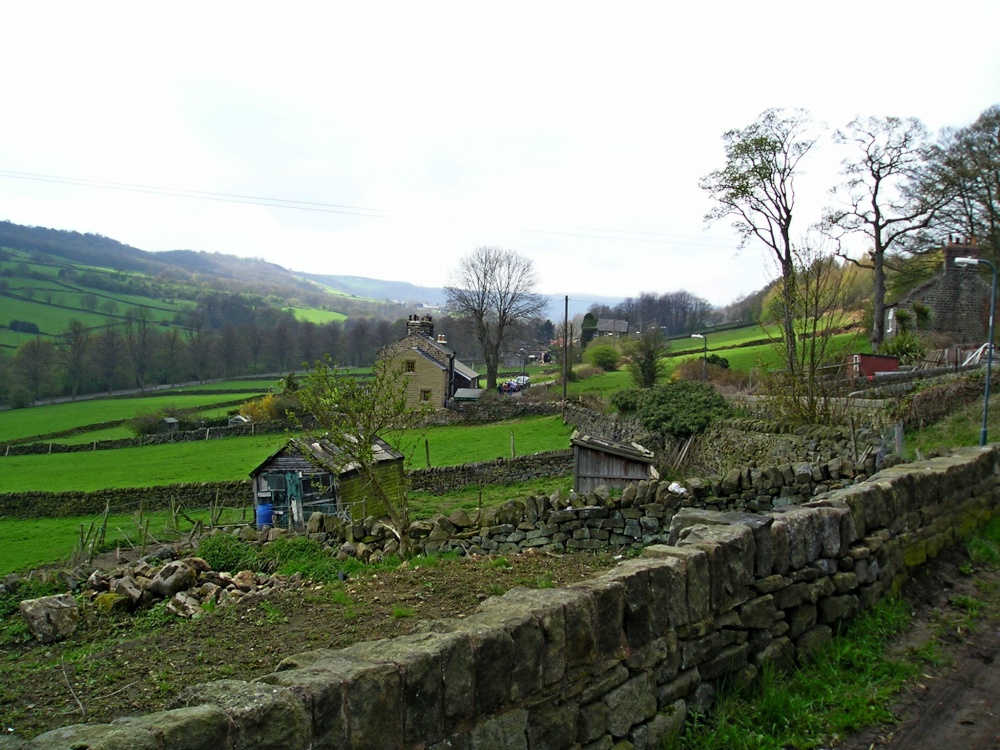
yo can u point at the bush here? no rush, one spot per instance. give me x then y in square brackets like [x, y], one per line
[905, 345]
[626, 401]
[692, 369]
[224, 552]
[604, 356]
[680, 408]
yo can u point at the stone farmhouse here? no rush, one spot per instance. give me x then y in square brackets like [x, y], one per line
[434, 373]
[958, 299]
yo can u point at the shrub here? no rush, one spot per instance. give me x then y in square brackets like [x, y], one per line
[905, 345]
[604, 356]
[627, 400]
[680, 408]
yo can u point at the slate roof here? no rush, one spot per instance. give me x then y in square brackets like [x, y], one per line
[295, 456]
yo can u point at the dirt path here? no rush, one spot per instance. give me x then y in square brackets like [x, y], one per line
[955, 705]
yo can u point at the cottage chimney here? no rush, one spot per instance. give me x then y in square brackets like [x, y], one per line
[959, 250]
[420, 325]
[442, 340]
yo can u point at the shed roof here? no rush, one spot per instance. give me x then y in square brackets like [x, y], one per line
[632, 451]
[319, 453]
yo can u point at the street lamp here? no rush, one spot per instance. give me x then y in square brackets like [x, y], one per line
[989, 355]
[704, 356]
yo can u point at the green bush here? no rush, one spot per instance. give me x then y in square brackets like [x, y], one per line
[680, 408]
[627, 400]
[603, 356]
[905, 345]
[224, 552]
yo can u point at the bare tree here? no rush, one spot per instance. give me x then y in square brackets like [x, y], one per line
[805, 395]
[73, 346]
[493, 289]
[756, 190]
[884, 198]
[966, 165]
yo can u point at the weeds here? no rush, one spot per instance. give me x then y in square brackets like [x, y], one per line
[846, 686]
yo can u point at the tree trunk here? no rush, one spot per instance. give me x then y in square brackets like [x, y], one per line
[878, 301]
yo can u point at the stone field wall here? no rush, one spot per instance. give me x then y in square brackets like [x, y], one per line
[620, 658]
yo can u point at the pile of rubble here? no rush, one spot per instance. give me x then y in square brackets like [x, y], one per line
[188, 584]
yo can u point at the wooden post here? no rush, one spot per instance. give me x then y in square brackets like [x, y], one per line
[427, 452]
[512, 453]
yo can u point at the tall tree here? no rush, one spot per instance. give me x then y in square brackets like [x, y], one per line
[756, 189]
[645, 352]
[109, 353]
[493, 289]
[966, 164]
[33, 366]
[140, 342]
[74, 346]
[886, 197]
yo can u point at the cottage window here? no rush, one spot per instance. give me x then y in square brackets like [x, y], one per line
[276, 482]
[425, 395]
[410, 365]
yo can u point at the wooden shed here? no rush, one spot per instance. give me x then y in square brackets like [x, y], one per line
[305, 476]
[598, 462]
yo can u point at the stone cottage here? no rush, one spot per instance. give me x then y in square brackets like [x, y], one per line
[958, 299]
[434, 373]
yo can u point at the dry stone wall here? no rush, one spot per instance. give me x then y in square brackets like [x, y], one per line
[620, 658]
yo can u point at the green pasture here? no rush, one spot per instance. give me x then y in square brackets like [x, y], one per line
[17, 424]
[49, 319]
[32, 542]
[725, 339]
[460, 444]
[146, 466]
[107, 433]
[425, 504]
[315, 315]
[233, 458]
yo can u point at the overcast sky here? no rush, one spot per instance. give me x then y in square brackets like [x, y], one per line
[572, 132]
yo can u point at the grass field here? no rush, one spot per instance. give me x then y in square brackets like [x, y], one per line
[233, 458]
[17, 424]
[314, 315]
[37, 541]
[450, 446]
[201, 461]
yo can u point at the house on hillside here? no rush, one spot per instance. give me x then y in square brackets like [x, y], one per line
[605, 463]
[612, 327]
[434, 372]
[303, 477]
[957, 299]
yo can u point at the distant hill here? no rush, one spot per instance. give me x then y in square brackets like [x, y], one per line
[351, 295]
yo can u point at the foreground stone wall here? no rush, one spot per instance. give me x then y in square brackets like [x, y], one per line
[623, 657]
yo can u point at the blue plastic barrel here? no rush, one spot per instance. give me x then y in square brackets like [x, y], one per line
[265, 515]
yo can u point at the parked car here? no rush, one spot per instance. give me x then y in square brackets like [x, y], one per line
[522, 381]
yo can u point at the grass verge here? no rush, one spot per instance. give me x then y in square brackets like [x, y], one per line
[848, 685]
